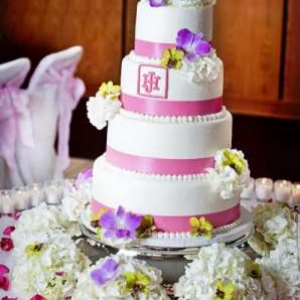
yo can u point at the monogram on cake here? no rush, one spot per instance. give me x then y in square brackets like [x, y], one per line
[169, 176]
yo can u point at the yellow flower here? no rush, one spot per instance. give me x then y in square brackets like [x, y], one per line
[201, 227]
[34, 249]
[147, 227]
[233, 160]
[172, 58]
[224, 291]
[253, 269]
[137, 282]
[109, 90]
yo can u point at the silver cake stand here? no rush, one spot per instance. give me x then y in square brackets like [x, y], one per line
[170, 255]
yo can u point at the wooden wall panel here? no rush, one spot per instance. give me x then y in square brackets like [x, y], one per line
[247, 35]
[130, 25]
[34, 28]
[292, 61]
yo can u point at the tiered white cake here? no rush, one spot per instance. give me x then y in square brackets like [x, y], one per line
[165, 154]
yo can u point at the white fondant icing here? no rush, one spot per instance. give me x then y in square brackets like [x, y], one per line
[162, 24]
[183, 85]
[144, 194]
[171, 140]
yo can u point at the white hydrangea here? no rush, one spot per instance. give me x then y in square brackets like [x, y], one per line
[51, 271]
[282, 263]
[101, 110]
[272, 222]
[225, 179]
[230, 265]
[113, 289]
[208, 67]
[35, 221]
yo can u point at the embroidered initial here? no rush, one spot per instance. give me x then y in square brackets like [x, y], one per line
[151, 82]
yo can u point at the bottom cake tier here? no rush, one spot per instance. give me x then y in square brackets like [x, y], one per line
[170, 200]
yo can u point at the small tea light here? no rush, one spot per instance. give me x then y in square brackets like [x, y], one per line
[283, 190]
[248, 190]
[54, 192]
[7, 204]
[21, 197]
[263, 188]
[36, 194]
[296, 194]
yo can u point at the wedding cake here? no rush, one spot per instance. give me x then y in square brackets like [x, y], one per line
[169, 160]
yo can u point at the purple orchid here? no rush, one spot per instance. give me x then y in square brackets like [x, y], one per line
[158, 3]
[192, 44]
[120, 224]
[83, 176]
[107, 272]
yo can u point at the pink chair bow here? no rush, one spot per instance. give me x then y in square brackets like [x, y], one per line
[69, 92]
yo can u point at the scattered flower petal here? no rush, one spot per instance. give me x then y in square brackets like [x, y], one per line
[6, 244]
[4, 283]
[8, 230]
[3, 270]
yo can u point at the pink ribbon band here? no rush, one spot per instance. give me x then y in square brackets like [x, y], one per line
[150, 49]
[181, 223]
[160, 166]
[164, 107]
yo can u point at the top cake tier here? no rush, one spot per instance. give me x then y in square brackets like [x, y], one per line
[157, 27]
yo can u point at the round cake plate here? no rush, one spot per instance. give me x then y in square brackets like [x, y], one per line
[174, 246]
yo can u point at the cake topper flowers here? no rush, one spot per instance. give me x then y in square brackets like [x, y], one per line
[192, 44]
[105, 105]
[158, 3]
[231, 173]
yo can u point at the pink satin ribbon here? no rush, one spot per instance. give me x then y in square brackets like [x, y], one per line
[150, 49]
[181, 223]
[165, 107]
[70, 90]
[160, 166]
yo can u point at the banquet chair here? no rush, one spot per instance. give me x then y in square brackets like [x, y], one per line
[15, 121]
[54, 94]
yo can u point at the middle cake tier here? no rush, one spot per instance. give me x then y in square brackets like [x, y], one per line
[167, 145]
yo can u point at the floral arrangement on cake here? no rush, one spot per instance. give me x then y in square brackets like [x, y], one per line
[231, 173]
[105, 105]
[194, 56]
[120, 277]
[120, 227]
[159, 3]
[275, 239]
[222, 273]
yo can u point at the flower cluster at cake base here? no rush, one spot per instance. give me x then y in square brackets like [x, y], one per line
[120, 277]
[230, 174]
[222, 273]
[273, 223]
[275, 239]
[105, 105]
[48, 265]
